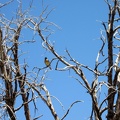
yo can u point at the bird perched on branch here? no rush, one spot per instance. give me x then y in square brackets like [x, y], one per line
[47, 62]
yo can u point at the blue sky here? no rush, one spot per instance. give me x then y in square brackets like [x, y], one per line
[79, 34]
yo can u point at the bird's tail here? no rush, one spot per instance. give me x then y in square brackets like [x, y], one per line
[50, 67]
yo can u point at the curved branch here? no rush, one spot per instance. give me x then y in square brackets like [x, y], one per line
[69, 109]
[47, 101]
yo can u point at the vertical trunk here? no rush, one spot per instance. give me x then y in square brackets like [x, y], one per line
[111, 91]
[110, 76]
[19, 77]
[9, 100]
[5, 73]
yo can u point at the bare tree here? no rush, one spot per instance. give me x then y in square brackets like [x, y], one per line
[15, 77]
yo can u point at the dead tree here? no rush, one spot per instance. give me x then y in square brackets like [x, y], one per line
[111, 73]
[14, 76]
[16, 79]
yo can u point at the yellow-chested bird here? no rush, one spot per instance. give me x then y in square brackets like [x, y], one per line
[47, 62]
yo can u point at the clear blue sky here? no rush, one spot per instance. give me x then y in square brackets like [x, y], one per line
[79, 34]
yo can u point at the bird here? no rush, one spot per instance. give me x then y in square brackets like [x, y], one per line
[47, 62]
